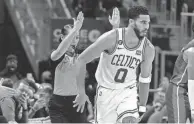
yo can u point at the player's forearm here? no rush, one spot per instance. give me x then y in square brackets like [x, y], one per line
[143, 93]
[63, 46]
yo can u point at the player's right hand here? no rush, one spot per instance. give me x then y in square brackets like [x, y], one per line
[80, 101]
[115, 19]
[77, 23]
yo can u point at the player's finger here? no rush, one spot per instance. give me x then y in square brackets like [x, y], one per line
[74, 20]
[117, 11]
[82, 108]
[1, 81]
[109, 17]
[76, 99]
[78, 108]
[76, 104]
[114, 12]
[80, 15]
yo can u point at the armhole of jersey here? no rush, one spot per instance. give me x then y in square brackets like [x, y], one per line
[116, 44]
[184, 56]
[144, 46]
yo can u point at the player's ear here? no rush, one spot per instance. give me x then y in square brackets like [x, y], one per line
[131, 22]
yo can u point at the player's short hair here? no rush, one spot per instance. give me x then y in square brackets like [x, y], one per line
[65, 30]
[135, 11]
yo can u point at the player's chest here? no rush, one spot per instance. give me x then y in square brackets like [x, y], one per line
[126, 58]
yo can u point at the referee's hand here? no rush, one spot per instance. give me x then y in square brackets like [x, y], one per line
[80, 101]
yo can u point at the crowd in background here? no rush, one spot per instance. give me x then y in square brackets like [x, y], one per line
[99, 8]
[38, 101]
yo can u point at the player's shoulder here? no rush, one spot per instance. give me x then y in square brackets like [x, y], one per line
[149, 46]
[149, 50]
[189, 51]
[111, 33]
[108, 37]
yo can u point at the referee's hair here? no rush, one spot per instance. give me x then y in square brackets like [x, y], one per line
[65, 31]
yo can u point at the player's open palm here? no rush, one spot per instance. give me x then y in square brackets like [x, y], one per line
[78, 22]
[80, 102]
[115, 19]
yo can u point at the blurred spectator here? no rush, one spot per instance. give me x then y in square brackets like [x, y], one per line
[130, 3]
[40, 107]
[10, 70]
[159, 116]
[46, 77]
[15, 109]
[108, 5]
[76, 6]
[157, 112]
[88, 7]
[7, 83]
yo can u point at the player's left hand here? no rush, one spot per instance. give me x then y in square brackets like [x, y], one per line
[80, 101]
[115, 19]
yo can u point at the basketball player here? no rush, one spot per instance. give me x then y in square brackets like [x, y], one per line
[67, 86]
[121, 51]
[179, 97]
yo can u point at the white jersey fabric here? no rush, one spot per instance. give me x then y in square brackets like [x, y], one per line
[117, 70]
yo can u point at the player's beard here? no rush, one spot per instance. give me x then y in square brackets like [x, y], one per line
[137, 31]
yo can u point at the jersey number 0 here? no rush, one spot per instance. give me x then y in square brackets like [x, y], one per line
[121, 75]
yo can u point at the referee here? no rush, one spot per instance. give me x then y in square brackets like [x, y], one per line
[66, 87]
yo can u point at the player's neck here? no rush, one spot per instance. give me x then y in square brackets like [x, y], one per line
[130, 34]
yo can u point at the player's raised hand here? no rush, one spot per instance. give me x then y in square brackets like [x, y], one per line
[115, 19]
[80, 101]
[78, 22]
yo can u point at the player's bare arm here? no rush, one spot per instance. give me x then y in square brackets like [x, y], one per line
[64, 45]
[188, 56]
[145, 76]
[106, 41]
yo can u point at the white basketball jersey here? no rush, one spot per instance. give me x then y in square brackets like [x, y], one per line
[117, 70]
